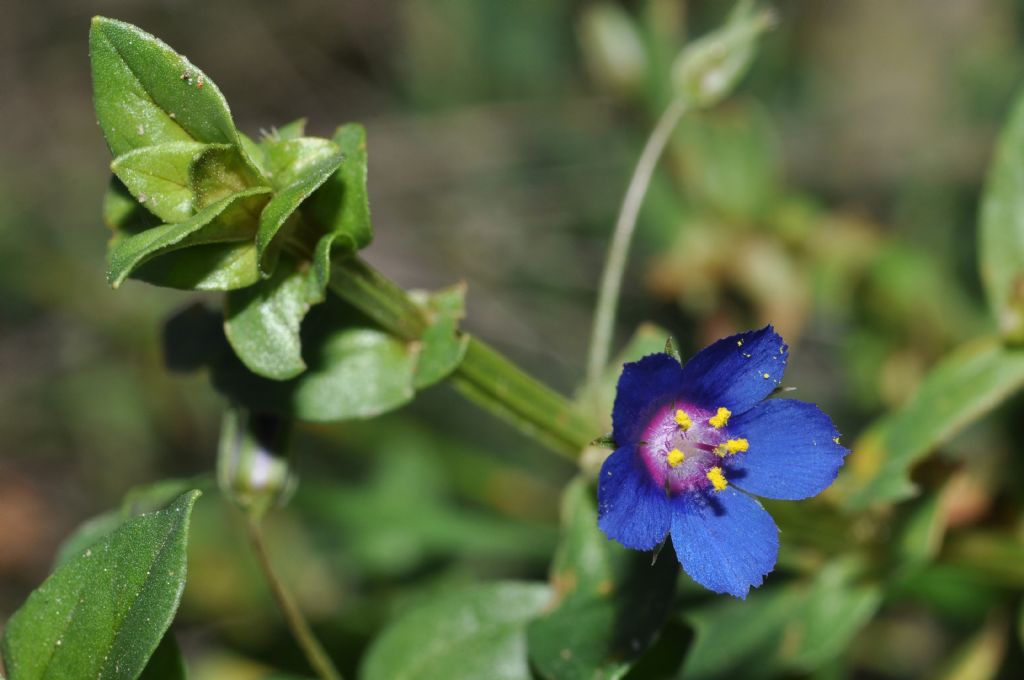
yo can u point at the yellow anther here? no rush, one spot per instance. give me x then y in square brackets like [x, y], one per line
[732, 446]
[720, 419]
[766, 376]
[683, 420]
[676, 457]
[739, 343]
[835, 439]
[717, 479]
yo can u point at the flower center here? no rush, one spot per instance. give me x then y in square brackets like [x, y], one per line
[686, 448]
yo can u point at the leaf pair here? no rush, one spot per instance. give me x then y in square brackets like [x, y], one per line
[354, 369]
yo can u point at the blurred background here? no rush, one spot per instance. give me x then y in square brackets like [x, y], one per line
[835, 196]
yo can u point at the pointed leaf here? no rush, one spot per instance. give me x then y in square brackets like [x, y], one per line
[1001, 230]
[962, 388]
[158, 177]
[342, 205]
[104, 612]
[262, 322]
[284, 204]
[476, 633]
[146, 93]
[228, 220]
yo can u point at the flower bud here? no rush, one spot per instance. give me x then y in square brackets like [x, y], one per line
[710, 67]
[253, 461]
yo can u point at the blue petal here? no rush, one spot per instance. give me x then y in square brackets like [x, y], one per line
[631, 509]
[731, 372]
[793, 453]
[643, 386]
[725, 541]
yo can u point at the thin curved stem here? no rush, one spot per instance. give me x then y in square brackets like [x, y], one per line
[618, 251]
[303, 634]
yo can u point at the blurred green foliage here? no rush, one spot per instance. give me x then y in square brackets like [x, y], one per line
[837, 197]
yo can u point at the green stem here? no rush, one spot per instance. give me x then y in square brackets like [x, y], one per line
[618, 251]
[484, 376]
[496, 384]
[303, 634]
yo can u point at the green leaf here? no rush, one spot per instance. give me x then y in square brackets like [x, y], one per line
[288, 160]
[611, 602]
[122, 213]
[262, 322]
[404, 515]
[836, 609]
[284, 204]
[1001, 229]
[158, 177]
[90, 532]
[476, 633]
[962, 388]
[228, 220]
[442, 345]
[103, 613]
[739, 638]
[219, 172]
[342, 205]
[710, 67]
[214, 266]
[146, 93]
[167, 662]
[354, 370]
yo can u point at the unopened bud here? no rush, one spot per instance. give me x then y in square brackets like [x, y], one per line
[253, 461]
[709, 68]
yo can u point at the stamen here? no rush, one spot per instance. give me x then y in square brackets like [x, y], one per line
[732, 446]
[721, 419]
[683, 420]
[717, 479]
[676, 457]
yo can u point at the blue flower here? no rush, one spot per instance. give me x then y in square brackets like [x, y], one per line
[694, 441]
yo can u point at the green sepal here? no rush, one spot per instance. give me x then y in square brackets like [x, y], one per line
[158, 177]
[228, 220]
[104, 612]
